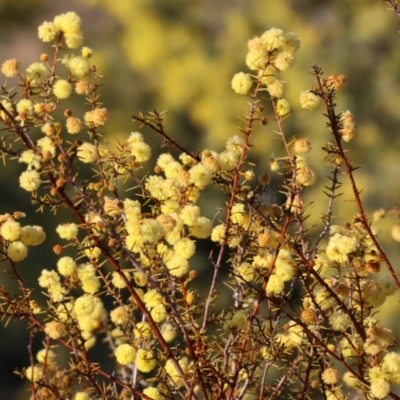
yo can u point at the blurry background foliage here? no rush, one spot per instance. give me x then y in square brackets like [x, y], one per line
[181, 55]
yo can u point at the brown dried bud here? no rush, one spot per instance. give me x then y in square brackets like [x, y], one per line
[57, 249]
[192, 274]
[60, 182]
[264, 178]
[112, 242]
[99, 225]
[48, 107]
[67, 113]
[314, 384]
[157, 169]
[22, 115]
[61, 158]
[18, 214]
[264, 121]
[338, 82]
[44, 57]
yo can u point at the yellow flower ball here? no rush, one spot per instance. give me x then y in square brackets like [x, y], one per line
[62, 89]
[30, 180]
[17, 251]
[125, 354]
[241, 83]
[145, 360]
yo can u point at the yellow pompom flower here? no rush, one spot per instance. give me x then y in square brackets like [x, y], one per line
[86, 52]
[47, 147]
[283, 60]
[256, 60]
[235, 145]
[84, 305]
[67, 22]
[117, 280]
[97, 117]
[48, 278]
[238, 214]
[79, 66]
[152, 298]
[275, 285]
[62, 89]
[67, 231]
[305, 176]
[200, 175]
[391, 363]
[10, 67]
[24, 106]
[174, 373]
[34, 374]
[46, 355]
[37, 72]
[185, 248]
[11, 230]
[66, 266]
[177, 266]
[141, 151]
[81, 396]
[87, 152]
[145, 361]
[159, 313]
[282, 107]
[380, 388]
[273, 39]
[276, 88]
[340, 246]
[142, 331]
[47, 31]
[331, 376]
[152, 392]
[17, 251]
[189, 214]
[302, 146]
[241, 83]
[74, 125]
[202, 228]
[309, 100]
[245, 272]
[119, 316]
[30, 158]
[125, 354]
[82, 88]
[168, 332]
[55, 329]
[73, 40]
[218, 233]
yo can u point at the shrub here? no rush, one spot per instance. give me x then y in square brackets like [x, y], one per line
[303, 315]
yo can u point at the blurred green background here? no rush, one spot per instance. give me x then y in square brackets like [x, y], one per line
[181, 55]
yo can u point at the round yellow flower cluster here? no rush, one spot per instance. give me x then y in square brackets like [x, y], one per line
[67, 24]
[269, 54]
[15, 238]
